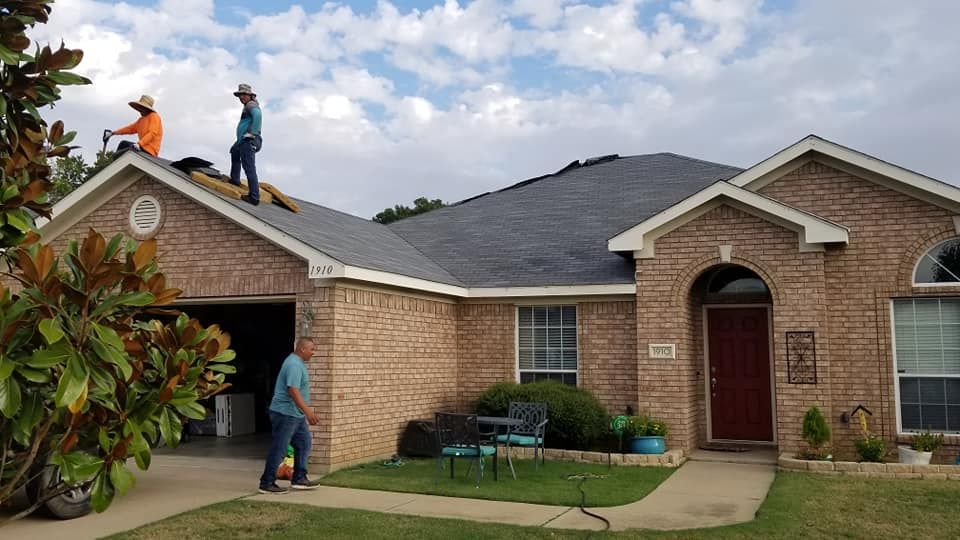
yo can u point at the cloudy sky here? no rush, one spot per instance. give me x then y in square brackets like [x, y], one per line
[367, 104]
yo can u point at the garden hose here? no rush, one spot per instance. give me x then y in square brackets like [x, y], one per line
[583, 477]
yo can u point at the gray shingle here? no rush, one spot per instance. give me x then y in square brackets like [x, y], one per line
[554, 230]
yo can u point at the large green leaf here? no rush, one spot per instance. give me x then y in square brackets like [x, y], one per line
[102, 494]
[112, 356]
[40, 376]
[47, 358]
[121, 477]
[193, 410]
[6, 368]
[66, 78]
[9, 397]
[222, 368]
[108, 335]
[30, 415]
[136, 299]
[226, 356]
[170, 427]
[50, 328]
[78, 466]
[73, 381]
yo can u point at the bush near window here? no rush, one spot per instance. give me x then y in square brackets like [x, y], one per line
[927, 441]
[577, 419]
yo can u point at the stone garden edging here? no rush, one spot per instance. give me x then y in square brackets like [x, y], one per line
[670, 458]
[870, 470]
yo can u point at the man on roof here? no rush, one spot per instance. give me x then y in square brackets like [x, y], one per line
[148, 128]
[248, 143]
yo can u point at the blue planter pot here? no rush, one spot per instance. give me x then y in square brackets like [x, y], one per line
[648, 445]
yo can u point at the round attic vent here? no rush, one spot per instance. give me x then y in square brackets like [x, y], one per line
[145, 216]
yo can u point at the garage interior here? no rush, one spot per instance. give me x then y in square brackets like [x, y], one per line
[262, 334]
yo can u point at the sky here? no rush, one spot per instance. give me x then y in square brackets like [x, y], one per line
[373, 103]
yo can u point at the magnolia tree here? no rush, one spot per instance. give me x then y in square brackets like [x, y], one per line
[87, 379]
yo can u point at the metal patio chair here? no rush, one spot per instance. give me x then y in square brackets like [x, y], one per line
[527, 434]
[458, 436]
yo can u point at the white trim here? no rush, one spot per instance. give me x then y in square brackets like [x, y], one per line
[706, 371]
[813, 231]
[204, 300]
[552, 290]
[904, 180]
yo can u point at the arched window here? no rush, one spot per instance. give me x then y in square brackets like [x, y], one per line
[733, 280]
[941, 264]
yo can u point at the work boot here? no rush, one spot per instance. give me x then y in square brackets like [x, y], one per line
[273, 489]
[251, 200]
[305, 484]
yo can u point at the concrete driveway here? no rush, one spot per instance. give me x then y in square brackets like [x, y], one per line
[173, 485]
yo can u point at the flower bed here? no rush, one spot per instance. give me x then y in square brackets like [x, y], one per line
[872, 470]
[670, 458]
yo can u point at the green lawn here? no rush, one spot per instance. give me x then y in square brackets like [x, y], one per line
[548, 485]
[799, 506]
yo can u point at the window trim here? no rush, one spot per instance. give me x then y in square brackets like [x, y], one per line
[897, 374]
[516, 340]
[916, 266]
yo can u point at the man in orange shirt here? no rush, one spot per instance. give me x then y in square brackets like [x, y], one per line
[148, 128]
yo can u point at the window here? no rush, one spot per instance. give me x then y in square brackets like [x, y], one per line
[547, 343]
[940, 265]
[926, 334]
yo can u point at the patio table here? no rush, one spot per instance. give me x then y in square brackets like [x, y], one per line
[499, 422]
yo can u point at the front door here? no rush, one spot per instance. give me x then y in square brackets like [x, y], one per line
[739, 383]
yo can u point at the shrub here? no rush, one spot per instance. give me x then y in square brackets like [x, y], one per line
[577, 418]
[816, 432]
[872, 449]
[644, 426]
[927, 442]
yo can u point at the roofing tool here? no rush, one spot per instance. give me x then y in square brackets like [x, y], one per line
[106, 137]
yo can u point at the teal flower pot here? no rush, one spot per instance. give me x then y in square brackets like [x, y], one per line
[648, 445]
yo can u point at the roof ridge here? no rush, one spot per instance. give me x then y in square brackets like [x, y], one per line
[698, 160]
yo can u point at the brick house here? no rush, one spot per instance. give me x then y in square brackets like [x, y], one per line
[725, 301]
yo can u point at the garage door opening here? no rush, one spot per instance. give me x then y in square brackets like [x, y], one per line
[262, 334]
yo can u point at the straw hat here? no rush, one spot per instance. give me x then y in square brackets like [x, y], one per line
[245, 89]
[145, 104]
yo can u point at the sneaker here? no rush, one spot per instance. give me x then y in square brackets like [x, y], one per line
[251, 200]
[273, 489]
[305, 484]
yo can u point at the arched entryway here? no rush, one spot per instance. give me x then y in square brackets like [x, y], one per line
[737, 356]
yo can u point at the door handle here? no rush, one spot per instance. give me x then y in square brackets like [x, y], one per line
[713, 382]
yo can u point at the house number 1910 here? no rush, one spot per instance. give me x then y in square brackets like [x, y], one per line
[320, 270]
[663, 350]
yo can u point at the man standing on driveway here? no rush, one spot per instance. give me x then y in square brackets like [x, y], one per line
[244, 151]
[289, 413]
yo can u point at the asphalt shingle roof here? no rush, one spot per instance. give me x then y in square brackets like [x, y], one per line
[552, 230]
[349, 239]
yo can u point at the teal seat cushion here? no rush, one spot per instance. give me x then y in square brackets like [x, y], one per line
[454, 451]
[519, 440]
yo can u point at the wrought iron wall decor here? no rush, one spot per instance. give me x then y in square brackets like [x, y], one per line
[801, 358]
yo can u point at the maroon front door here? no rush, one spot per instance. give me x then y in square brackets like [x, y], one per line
[739, 375]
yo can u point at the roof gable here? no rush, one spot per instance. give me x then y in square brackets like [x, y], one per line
[813, 231]
[853, 162]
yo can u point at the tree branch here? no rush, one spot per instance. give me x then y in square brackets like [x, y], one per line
[38, 438]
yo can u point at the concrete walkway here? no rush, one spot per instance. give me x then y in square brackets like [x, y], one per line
[697, 495]
[172, 485]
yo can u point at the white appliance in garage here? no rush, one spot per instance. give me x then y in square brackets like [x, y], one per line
[235, 414]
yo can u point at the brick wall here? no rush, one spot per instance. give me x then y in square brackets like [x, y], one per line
[394, 359]
[201, 252]
[667, 312]
[889, 231]
[486, 344]
[608, 352]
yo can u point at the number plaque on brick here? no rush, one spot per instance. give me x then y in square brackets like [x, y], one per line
[801, 358]
[666, 351]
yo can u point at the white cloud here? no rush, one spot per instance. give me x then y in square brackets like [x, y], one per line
[363, 110]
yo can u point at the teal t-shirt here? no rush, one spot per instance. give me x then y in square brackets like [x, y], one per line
[293, 373]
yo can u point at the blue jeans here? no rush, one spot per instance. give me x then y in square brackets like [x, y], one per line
[245, 153]
[287, 430]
